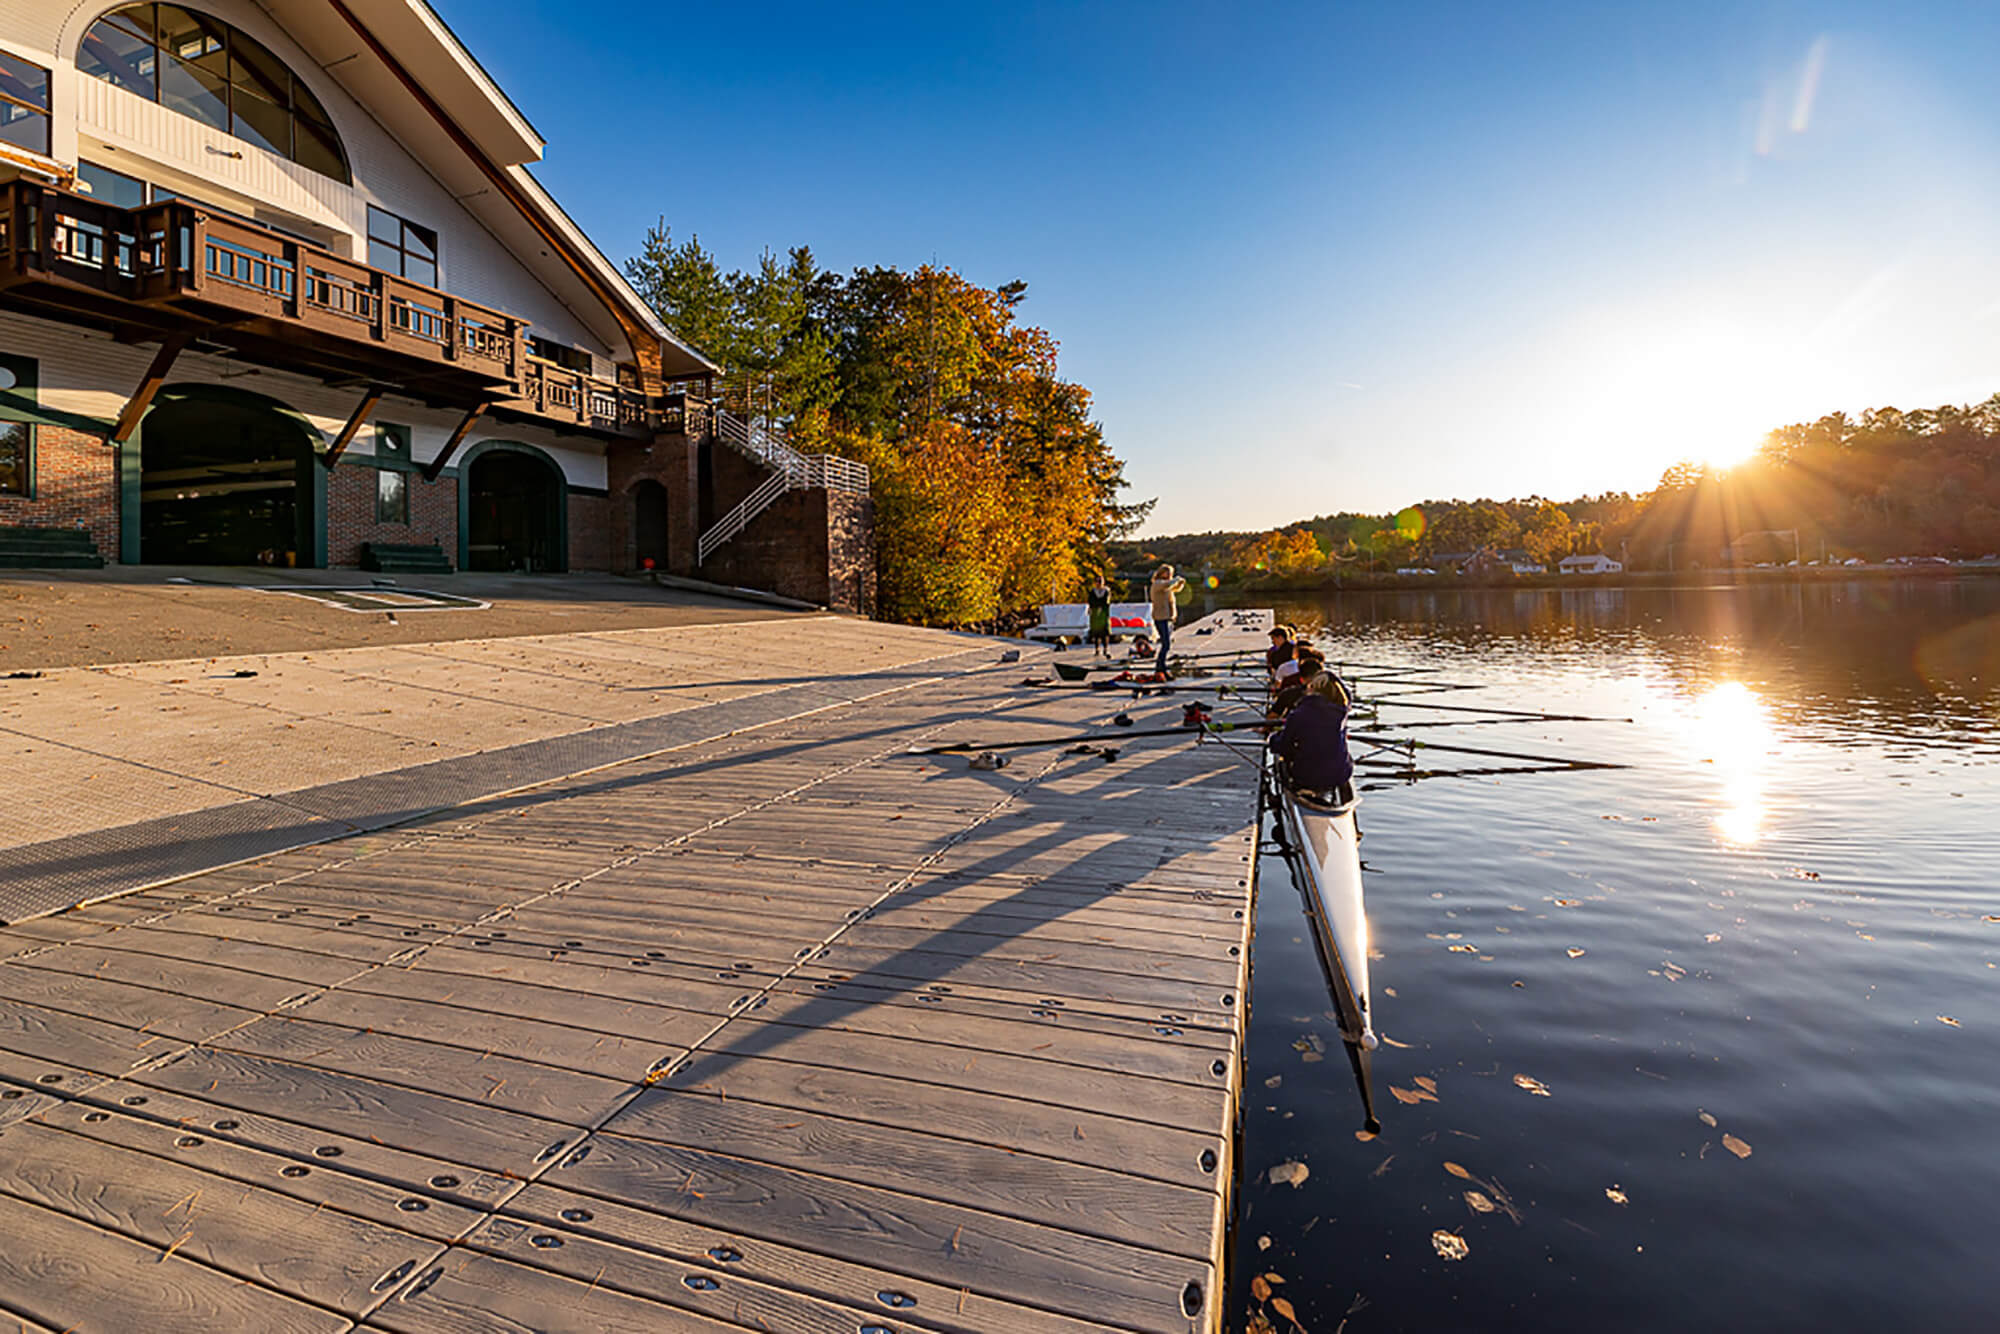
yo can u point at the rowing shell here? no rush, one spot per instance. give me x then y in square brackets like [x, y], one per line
[1326, 865]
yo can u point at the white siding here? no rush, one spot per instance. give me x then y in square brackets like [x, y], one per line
[91, 374]
[159, 144]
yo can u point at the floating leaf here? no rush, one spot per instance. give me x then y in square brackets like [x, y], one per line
[1274, 1081]
[1294, 1174]
[1736, 1146]
[1479, 1203]
[1567, 903]
[1263, 1243]
[1364, 1135]
[1463, 949]
[1409, 1097]
[1259, 1288]
[1615, 1195]
[1450, 1245]
[1310, 1057]
[1458, 1171]
[1284, 1308]
[1712, 937]
[1706, 1119]
[1947, 1019]
[1382, 1166]
[1532, 1085]
[1400, 1046]
[1273, 1278]
[1991, 917]
[1573, 952]
[1426, 1083]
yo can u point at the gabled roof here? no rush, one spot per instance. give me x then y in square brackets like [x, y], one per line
[408, 53]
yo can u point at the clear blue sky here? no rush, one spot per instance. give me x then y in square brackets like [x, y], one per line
[1334, 256]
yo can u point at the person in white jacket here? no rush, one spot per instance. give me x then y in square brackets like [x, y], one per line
[1165, 610]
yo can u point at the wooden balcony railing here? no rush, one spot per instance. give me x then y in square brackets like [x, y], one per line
[192, 258]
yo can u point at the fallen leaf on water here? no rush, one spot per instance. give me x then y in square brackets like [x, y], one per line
[1310, 1057]
[1463, 949]
[1263, 1243]
[1274, 1081]
[1409, 1097]
[1458, 1171]
[1389, 991]
[1947, 1019]
[1712, 937]
[1736, 1146]
[1991, 917]
[1402, 1046]
[1273, 1278]
[1258, 1323]
[1450, 1245]
[1567, 903]
[1426, 1083]
[1573, 952]
[1615, 1195]
[1706, 1119]
[1382, 1166]
[1532, 1085]
[1364, 1135]
[1479, 1203]
[1293, 1173]
[1284, 1308]
[1259, 1288]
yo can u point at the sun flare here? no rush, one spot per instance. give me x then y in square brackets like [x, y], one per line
[1730, 451]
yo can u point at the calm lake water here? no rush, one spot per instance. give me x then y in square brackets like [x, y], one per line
[1755, 973]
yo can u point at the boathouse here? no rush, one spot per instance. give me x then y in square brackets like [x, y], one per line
[279, 288]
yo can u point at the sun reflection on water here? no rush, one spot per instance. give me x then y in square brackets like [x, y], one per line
[1732, 732]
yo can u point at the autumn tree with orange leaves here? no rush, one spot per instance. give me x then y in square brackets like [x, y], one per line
[994, 490]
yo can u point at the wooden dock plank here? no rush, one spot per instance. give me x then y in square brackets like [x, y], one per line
[449, 1129]
[947, 1244]
[319, 1182]
[70, 1275]
[720, 1253]
[1077, 1199]
[478, 1294]
[321, 1256]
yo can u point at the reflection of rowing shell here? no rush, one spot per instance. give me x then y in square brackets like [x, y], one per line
[1326, 865]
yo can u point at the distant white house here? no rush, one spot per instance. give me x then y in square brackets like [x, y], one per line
[1591, 564]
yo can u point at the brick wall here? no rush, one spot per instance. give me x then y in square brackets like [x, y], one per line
[589, 533]
[669, 460]
[350, 514]
[75, 483]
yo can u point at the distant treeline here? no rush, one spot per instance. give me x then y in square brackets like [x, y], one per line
[1886, 484]
[994, 490]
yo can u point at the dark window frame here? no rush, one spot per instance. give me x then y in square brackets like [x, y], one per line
[138, 26]
[10, 64]
[569, 358]
[27, 382]
[400, 244]
[394, 470]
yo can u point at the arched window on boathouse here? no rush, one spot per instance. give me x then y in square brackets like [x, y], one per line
[207, 70]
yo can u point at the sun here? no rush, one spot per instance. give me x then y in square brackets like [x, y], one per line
[1731, 450]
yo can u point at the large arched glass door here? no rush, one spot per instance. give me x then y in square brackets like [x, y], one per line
[225, 482]
[513, 513]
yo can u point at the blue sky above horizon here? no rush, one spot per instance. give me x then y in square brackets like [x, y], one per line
[1321, 257]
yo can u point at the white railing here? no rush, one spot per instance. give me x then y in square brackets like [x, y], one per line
[790, 471]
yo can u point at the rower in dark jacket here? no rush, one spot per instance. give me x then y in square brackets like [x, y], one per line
[1313, 741]
[1280, 650]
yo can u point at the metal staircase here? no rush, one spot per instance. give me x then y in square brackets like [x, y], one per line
[790, 471]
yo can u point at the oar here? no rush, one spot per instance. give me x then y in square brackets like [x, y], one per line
[1505, 713]
[1492, 754]
[961, 747]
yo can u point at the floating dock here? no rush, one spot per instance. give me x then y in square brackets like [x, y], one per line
[789, 1029]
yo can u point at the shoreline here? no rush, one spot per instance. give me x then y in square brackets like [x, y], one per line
[1669, 580]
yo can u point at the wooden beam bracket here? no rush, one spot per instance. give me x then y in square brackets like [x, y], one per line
[142, 397]
[435, 468]
[362, 410]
